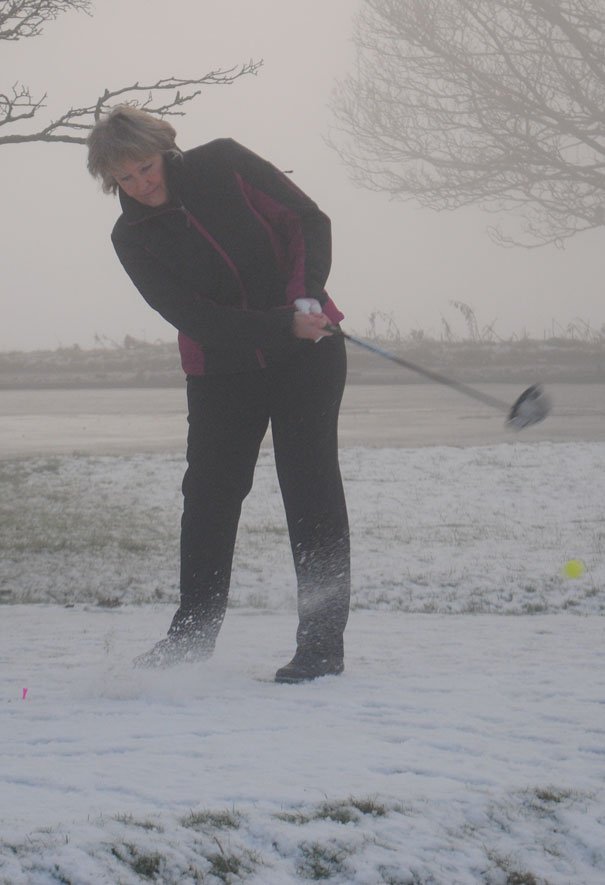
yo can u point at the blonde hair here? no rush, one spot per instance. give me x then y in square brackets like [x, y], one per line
[125, 133]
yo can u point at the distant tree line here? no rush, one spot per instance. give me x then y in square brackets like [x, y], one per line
[569, 356]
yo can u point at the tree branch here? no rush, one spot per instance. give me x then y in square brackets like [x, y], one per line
[495, 102]
[20, 19]
[165, 97]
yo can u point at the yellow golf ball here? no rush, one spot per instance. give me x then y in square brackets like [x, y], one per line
[574, 568]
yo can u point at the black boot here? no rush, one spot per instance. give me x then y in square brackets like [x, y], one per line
[308, 665]
[174, 649]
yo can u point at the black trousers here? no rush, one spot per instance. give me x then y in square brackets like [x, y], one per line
[228, 418]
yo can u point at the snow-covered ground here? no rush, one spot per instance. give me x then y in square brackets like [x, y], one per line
[455, 749]
[435, 529]
[465, 742]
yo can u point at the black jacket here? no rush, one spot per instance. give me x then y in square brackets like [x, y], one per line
[224, 260]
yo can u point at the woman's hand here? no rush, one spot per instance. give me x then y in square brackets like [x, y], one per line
[310, 325]
[309, 322]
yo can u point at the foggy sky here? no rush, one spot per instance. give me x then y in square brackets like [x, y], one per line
[61, 283]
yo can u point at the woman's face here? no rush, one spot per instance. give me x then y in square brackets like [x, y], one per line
[144, 180]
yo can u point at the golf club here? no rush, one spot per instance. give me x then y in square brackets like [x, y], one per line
[532, 406]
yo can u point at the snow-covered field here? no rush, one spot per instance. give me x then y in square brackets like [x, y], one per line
[436, 529]
[465, 742]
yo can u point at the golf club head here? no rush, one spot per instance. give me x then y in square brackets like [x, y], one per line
[531, 407]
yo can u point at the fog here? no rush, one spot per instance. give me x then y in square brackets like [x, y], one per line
[61, 283]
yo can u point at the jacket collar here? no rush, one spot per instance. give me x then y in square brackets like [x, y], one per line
[135, 212]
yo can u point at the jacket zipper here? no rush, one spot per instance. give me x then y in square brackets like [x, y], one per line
[192, 220]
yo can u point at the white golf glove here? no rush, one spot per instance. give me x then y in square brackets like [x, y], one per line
[307, 305]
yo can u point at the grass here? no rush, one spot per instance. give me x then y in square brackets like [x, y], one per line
[510, 875]
[321, 860]
[226, 864]
[209, 820]
[343, 811]
[104, 531]
[143, 864]
[514, 876]
[131, 821]
[545, 801]
[327, 841]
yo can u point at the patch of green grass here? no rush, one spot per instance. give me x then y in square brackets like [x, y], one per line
[267, 529]
[349, 810]
[146, 865]
[534, 608]
[131, 821]
[19, 472]
[543, 801]
[223, 866]
[343, 811]
[552, 794]
[109, 602]
[370, 806]
[339, 812]
[226, 864]
[208, 819]
[513, 876]
[293, 817]
[321, 861]
[516, 878]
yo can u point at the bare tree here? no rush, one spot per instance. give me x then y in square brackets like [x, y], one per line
[499, 103]
[20, 19]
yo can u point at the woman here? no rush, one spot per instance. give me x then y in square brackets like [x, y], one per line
[222, 245]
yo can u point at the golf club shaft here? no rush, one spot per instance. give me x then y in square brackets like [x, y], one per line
[433, 376]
